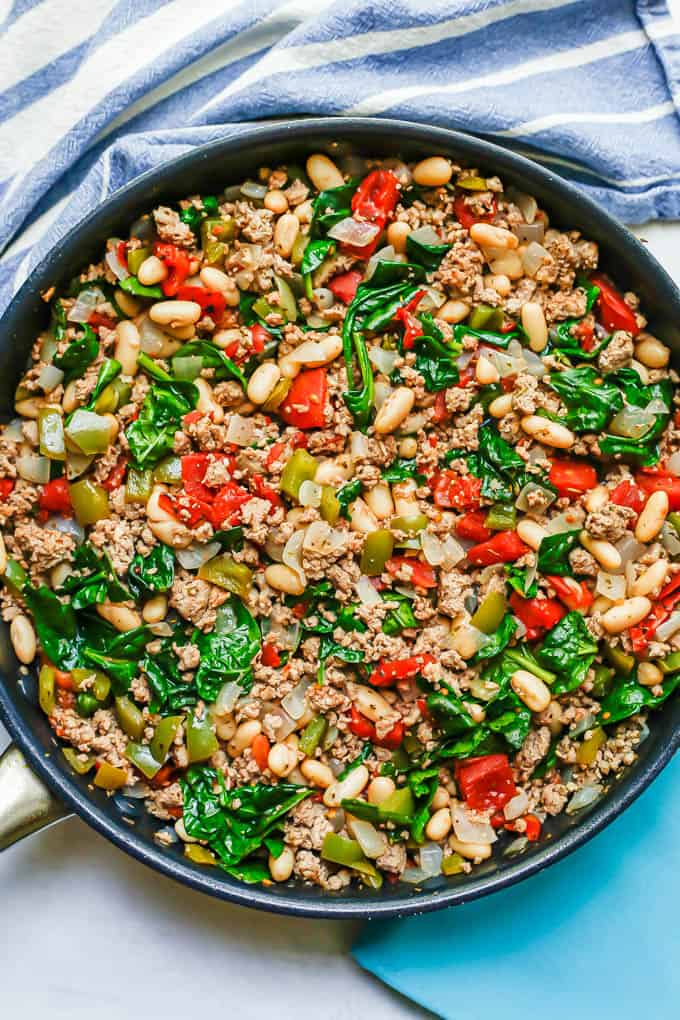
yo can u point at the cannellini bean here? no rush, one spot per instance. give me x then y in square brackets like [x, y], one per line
[486, 372]
[531, 690]
[379, 500]
[244, 736]
[285, 233]
[361, 518]
[433, 172]
[454, 311]
[128, 305]
[501, 284]
[488, 236]
[304, 211]
[263, 381]
[350, 786]
[535, 326]
[276, 202]
[651, 580]
[283, 578]
[281, 760]
[404, 494]
[175, 313]
[552, 718]
[317, 353]
[215, 279]
[649, 675]
[289, 366]
[626, 614]
[395, 410]
[30, 407]
[323, 173]
[441, 798]
[652, 353]
[281, 867]
[70, 401]
[152, 271]
[24, 641]
[439, 825]
[380, 789]
[155, 609]
[3, 554]
[172, 533]
[531, 533]
[206, 401]
[225, 728]
[596, 499]
[471, 851]
[119, 616]
[181, 831]
[606, 554]
[332, 472]
[128, 346]
[370, 703]
[600, 605]
[510, 264]
[549, 432]
[317, 773]
[501, 406]
[408, 447]
[397, 233]
[651, 520]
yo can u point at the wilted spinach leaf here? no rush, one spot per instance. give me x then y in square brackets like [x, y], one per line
[79, 354]
[152, 435]
[427, 255]
[227, 654]
[591, 400]
[569, 650]
[212, 357]
[553, 553]
[154, 573]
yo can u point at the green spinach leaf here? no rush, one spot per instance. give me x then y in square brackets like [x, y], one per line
[569, 650]
[78, 356]
[591, 400]
[228, 654]
[553, 553]
[148, 575]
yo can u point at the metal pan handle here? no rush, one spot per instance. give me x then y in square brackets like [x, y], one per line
[26, 804]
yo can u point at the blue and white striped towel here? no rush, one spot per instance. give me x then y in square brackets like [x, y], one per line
[93, 92]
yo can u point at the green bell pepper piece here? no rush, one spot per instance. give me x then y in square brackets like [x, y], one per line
[164, 734]
[671, 664]
[312, 735]
[602, 681]
[300, 467]
[136, 257]
[620, 660]
[168, 471]
[453, 865]
[490, 613]
[131, 285]
[411, 524]
[226, 573]
[218, 229]
[200, 738]
[90, 501]
[130, 717]
[330, 505]
[674, 521]
[378, 547]
[199, 854]
[46, 694]
[86, 704]
[93, 682]
[486, 317]
[501, 517]
[89, 432]
[141, 757]
[347, 852]
[15, 577]
[51, 433]
[398, 807]
[278, 395]
[81, 764]
[472, 183]
[138, 485]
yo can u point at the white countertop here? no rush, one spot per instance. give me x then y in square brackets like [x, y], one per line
[87, 931]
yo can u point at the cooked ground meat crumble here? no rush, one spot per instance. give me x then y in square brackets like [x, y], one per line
[342, 519]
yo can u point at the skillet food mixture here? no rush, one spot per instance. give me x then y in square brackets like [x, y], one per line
[342, 515]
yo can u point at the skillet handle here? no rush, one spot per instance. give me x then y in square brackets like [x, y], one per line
[26, 804]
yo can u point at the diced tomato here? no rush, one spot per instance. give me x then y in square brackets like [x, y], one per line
[345, 285]
[387, 673]
[373, 202]
[115, 478]
[642, 633]
[466, 376]
[97, 320]
[177, 263]
[454, 491]
[212, 302]
[422, 707]
[393, 739]
[486, 782]
[471, 526]
[264, 491]
[121, 253]
[55, 497]
[576, 595]
[362, 727]
[670, 591]
[259, 749]
[270, 655]
[6, 488]
[227, 503]
[275, 451]
[422, 574]
[440, 412]
[192, 417]
[163, 777]
[504, 547]
[628, 494]
[572, 478]
[259, 337]
[532, 829]
[613, 311]
[413, 328]
[305, 403]
[466, 217]
[63, 680]
[585, 334]
[669, 484]
[538, 614]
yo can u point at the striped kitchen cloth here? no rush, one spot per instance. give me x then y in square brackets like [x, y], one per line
[94, 92]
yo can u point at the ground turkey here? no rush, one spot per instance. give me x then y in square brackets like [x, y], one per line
[196, 600]
[307, 825]
[171, 228]
[617, 354]
[43, 547]
[610, 523]
[312, 869]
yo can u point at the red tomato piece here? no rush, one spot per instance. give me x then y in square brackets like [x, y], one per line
[486, 782]
[422, 574]
[471, 526]
[177, 263]
[533, 828]
[538, 614]
[6, 487]
[259, 337]
[628, 494]
[504, 547]
[264, 491]
[345, 285]
[664, 482]
[227, 502]
[440, 412]
[115, 478]
[576, 595]
[97, 320]
[373, 202]
[259, 749]
[613, 311]
[387, 673]
[211, 301]
[360, 726]
[121, 253]
[305, 403]
[460, 492]
[55, 497]
[571, 478]
[270, 655]
[466, 217]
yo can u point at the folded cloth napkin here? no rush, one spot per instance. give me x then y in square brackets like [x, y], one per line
[595, 936]
[93, 92]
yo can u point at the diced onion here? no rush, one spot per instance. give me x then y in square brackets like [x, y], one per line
[358, 445]
[629, 549]
[533, 233]
[195, 555]
[670, 539]
[162, 629]
[307, 353]
[371, 841]
[517, 846]
[631, 422]
[464, 359]
[673, 463]
[453, 552]
[414, 423]
[319, 537]
[468, 640]
[368, 596]
[527, 204]
[534, 363]
[227, 698]
[504, 364]
[433, 548]
[152, 338]
[381, 392]
[286, 723]
[386, 254]
[584, 797]
[568, 520]
[426, 235]
[50, 377]
[116, 266]
[251, 189]
[414, 876]
[586, 723]
[469, 829]
[76, 464]
[431, 300]
[136, 791]
[69, 526]
[383, 360]
[292, 555]
[240, 430]
[516, 807]
[669, 627]
[431, 856]
[612, 586]
[323, 297]
[84, 305]
[309, 494]
[33, 468]
[355, 232]
[522, 501]
[13, 432]
[295, 703]
[657, 406]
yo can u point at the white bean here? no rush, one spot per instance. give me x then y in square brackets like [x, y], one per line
[281, 867]
[215, 279]
[651, 520]
[596, 499]
[649, 675]
[206, 402]
[350, 786]
[119, 616]
[281, 760]
[442, 798]
[486, 372]
[408, 447]
[128, 346]
[263, 381]
[128, 305]
[244, 736]
[535, 326]
[155, 609]
[606, 554]
[285, 234]
[433, 172]
[380, 789]
[531, 690]
[317, 773]
[454, 311]
[439, 825]
[172, 533]
[323, 173]
[397, 233]
[501, 284]
[175, 313]
[276, 201]
[379, 500]
[510, 264]
[651, 580]
[370, 703]
[152, 271]
[471, 851]
[501, 406]
[531, 533]
[626, 614]
[283, 578]
[395, 410]
[549, 432]
[652, 353]
[24, 641]
[488, 236]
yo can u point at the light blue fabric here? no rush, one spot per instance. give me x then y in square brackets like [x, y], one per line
[96, 91]
[595, 937]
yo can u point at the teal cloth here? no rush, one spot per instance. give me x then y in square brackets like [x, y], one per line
[595, 937]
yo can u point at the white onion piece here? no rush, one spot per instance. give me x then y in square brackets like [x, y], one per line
[631, 422]
[381, 392]
[669, 627]
[307, 353]
[161, 629]
[354, 232]
[527, 204]
[517, 846]
[521, 629]
[504, 364]
[468, 640]
[286, 723]
[309, 494]
[386, 254]
[319, 537]
[657, 406]
[584, 797]
[368, 596]
[522, 502]
[240, 430]
[673, 463]
[227, 698]
[152, 339]
[295, 703]
[358, 445]
[195, 555]
[414, 423]
[323, 297]
[86, 302]
[431, 300]
[612, 586]
[568, 520]
[534, 363]
[431, 856]
[69, 526]
[433, 548]
[670, 539]
[115, 265]
[33, 468]
[534, 255]
[13, 432]
[251, 189]
[585, 723]
[453, 552]
[76, 464]
[469, 829]
[50, 377]
[630, 549]
[464, 359]
[292, 555]
[286, 638]
[371, 841]
[516, 807]
[414, 876]
[383, 360]
[426, 235]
